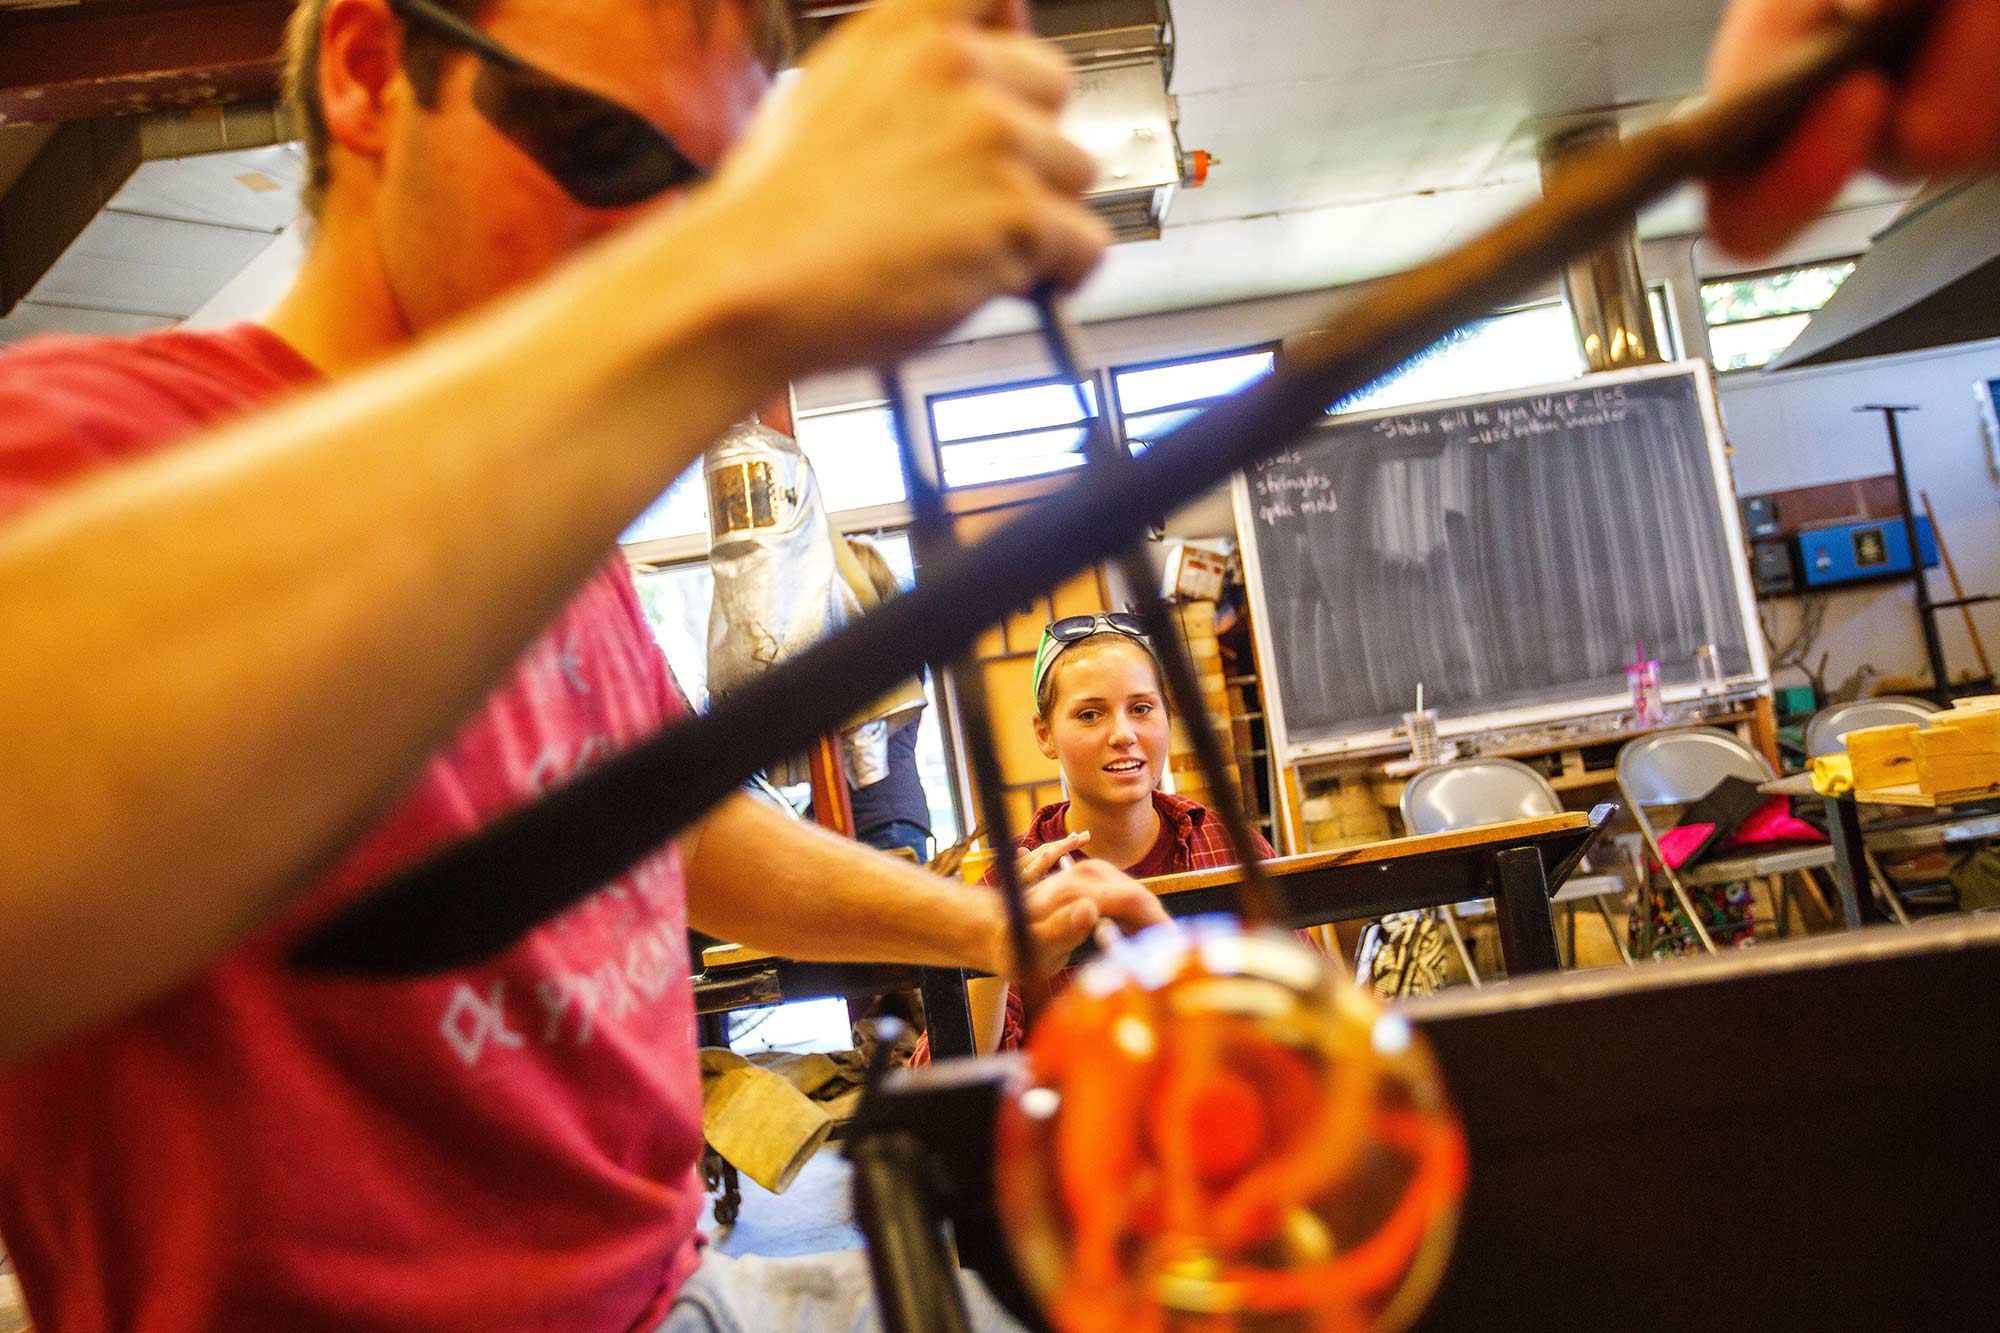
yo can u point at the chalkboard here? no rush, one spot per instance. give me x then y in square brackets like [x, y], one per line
[1507, 551]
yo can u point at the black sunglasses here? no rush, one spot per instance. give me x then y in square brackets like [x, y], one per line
[602, 154]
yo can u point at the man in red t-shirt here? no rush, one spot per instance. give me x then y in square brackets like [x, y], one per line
[192, 1136]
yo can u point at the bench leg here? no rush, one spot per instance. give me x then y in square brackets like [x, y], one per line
[1611, 925]
[1450, 915]
[1527, 924]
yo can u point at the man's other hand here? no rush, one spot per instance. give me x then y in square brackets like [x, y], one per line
[1943, 117]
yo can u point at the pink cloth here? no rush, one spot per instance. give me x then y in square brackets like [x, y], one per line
[508, 1147]
[1772, 824]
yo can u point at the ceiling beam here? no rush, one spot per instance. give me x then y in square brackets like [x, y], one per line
[124, 57]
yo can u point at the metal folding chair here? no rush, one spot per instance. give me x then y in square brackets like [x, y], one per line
[1827, 734]
[1471, 792]
[1677, 768]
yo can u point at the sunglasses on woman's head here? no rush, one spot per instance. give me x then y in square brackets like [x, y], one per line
[1074, 629]
[602, 154]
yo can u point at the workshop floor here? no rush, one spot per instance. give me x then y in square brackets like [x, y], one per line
[815, 1215]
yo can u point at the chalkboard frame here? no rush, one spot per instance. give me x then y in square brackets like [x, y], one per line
[1754, 682]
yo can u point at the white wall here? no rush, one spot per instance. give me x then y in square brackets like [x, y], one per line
[1799, 428]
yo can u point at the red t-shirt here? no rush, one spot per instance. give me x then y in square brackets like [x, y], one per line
[507, 1147]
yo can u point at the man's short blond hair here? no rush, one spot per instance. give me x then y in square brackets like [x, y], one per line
[770, 28]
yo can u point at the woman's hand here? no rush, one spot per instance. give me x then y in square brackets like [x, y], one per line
[1034, 866]
[1943, 116]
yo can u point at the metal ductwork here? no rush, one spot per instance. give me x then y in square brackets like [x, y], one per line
[1932, 278]
[1606, 294]
[1120, 110]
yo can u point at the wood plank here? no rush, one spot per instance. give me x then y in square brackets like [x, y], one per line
[1589, 777]
[75, 62]
[1389, 849]
[731, 955]
[1909, 796]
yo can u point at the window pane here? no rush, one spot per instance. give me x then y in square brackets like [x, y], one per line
[1536, 345]
[1795, 291]
[1190, 381]
[931, 765]
[676, 600]
[999, 411]
[1742, 346]
[1142, 431]
[681, 511]
[1012, 456]
[853, 454]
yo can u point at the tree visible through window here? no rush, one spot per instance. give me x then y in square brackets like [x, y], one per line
[1754, 317]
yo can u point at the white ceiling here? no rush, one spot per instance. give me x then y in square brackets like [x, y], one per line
[172, 237]
[1355, 137]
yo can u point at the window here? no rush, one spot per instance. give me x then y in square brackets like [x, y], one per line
[853, 453]
[1511, 350]
[1753, 317]
[1155, 399]
[676, 601]
[1534, 344]
[1023, 430]
[681, 511]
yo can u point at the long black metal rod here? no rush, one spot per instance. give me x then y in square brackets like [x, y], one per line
[1257, 901]
[479, 896]
[1920, 579]
[936, 542]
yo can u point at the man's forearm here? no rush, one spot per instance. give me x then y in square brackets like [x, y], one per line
[337, 583]
[758, 878]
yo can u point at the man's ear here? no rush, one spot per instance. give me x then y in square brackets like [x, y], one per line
[1043, 738]
[360, 54]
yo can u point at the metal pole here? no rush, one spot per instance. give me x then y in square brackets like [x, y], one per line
[1926, 616]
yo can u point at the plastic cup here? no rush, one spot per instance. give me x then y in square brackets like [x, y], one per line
[1643, 679]
[1422, 729]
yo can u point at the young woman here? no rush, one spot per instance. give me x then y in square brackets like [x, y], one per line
[1101, 713]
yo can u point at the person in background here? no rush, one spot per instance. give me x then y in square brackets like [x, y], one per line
[894, 812]
[1101, 714]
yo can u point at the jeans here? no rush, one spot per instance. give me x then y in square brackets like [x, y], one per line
[900, 833]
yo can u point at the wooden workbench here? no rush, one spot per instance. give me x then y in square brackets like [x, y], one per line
[1519, 864]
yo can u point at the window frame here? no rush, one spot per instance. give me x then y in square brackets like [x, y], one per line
[1093, 377]
[1116, 400]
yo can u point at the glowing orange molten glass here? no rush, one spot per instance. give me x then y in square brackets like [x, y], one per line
[1216, 1133]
